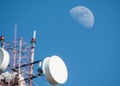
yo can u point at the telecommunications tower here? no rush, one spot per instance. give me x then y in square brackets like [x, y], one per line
[17, 64]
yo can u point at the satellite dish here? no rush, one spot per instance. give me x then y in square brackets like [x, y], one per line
[55, 70]
[4, 59]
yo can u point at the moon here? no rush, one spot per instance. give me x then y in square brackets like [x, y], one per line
[83, 16]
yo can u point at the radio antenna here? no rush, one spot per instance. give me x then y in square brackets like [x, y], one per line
[15, 42]
[33, 41]
[17, 64]
[15, 35]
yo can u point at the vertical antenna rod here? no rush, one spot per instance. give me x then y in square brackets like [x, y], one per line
[34, 34]
[32, 55]
[33, 45]
[15, 34]
[15, 42]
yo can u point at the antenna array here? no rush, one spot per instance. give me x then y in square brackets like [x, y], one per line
[17, 64]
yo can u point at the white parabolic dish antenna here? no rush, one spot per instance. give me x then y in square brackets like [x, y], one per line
[55, 70]
[4, 59]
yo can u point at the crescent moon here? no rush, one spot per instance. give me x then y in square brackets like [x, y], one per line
[83, 16]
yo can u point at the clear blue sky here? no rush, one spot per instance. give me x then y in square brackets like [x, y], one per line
[91, 55]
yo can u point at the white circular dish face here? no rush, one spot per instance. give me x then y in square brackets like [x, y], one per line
[58, 69]
[55, 70]
[4, 59]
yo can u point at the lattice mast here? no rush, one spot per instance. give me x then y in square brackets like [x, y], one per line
[22, 62]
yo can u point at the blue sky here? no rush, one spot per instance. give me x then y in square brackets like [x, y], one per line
[91, 55]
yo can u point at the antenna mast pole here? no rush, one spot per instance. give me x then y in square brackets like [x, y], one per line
[15, 42]
[19, 60]
[33, 41]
